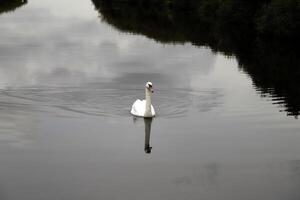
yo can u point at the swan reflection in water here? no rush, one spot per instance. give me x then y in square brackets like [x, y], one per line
[147, 123]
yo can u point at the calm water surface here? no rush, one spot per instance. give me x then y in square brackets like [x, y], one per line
[67, 82]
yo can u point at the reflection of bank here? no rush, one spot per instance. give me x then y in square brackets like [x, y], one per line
[271, 64]
[147, 123]
[10, 5]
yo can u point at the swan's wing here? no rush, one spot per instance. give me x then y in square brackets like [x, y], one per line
[152, 110]
[138, 108]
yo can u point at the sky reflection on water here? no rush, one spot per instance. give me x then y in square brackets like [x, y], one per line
[67, 83]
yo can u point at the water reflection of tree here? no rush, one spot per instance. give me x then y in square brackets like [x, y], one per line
[10, 5]
[273, 67]
[275, 72]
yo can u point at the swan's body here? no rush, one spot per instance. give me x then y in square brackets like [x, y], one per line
[139, 109]
[144, 108]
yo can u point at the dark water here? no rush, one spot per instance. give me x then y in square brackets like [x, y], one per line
[67, 82]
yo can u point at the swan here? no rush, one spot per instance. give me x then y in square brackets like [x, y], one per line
[144, 108]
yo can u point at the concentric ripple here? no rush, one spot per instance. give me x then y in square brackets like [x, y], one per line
[69, 101]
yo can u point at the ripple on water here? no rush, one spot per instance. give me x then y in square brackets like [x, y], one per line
[114, 103]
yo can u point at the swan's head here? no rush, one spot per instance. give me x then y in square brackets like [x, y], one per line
[149, 86]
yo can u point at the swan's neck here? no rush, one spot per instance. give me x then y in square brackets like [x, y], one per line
[148, 104]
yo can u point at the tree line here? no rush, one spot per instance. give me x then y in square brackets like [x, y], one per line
[266, 18]
[10, 5]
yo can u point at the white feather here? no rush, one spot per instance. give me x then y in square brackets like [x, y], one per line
[144, 108]
[139, 107]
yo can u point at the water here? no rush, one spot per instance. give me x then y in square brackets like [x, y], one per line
[67, 82]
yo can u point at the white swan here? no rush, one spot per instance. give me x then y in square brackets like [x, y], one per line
[144, 108]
